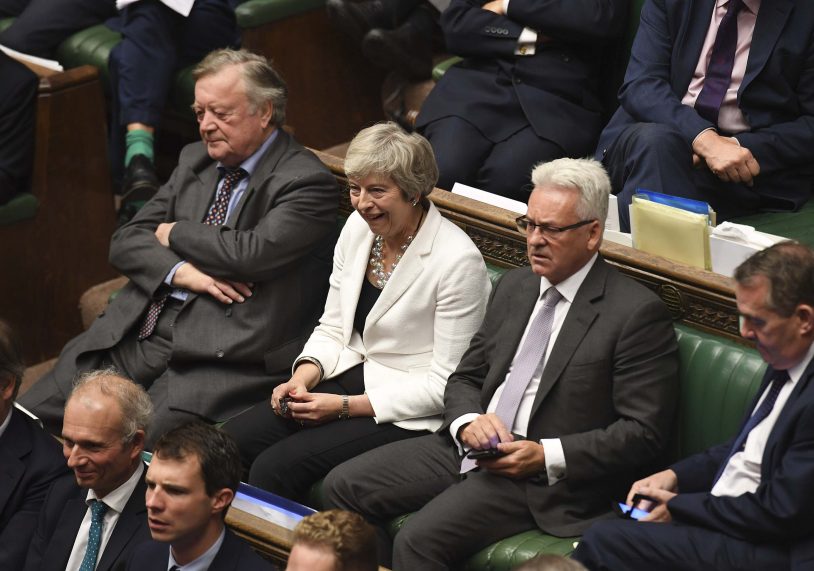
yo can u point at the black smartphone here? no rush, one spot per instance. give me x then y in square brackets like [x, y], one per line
[284, 405]
[640, 508]
[485, 454]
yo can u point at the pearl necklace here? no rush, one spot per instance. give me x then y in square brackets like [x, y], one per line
[377, 260]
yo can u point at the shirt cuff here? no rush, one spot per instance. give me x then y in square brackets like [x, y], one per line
[526, 43]
[456, 426]
[171, 275]
[505, 6]
[701, 133]
[554, 460]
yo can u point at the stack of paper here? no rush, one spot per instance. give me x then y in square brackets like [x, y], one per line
[671, 232]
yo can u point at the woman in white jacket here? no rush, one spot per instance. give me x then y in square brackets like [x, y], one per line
[407, 292]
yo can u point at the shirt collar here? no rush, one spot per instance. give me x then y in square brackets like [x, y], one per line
[251, 163]
[118, 498]
[797, 370]
[569, 286]
[203, 562]
[6, 422]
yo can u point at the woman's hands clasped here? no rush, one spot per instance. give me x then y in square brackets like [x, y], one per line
[293, 400]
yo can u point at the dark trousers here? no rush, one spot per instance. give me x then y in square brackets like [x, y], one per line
[18, 98]
[459, 516]
[465, 155]
[626, 545]
[41, 25]
[287, 458]
[652, 156]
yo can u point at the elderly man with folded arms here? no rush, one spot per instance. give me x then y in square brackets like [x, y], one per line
[228, 264]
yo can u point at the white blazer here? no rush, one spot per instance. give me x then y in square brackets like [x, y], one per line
[418, 329]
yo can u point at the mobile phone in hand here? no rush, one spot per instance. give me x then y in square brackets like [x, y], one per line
[485, 454]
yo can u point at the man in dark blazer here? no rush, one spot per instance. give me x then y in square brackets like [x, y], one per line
[747, 503]
[526, 92]
[192, 480]
[106, 419]
[759, 153]
[29, 460]
[240, 274]
[594, 408]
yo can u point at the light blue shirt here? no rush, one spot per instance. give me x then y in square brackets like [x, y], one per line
[249, 165]
[203, 562]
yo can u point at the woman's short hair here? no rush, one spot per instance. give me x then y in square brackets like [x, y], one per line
[260, 80]
[586, 176]
[405, 158]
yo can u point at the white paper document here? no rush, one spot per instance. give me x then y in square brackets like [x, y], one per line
[183, 7]
[489, 198]
[42, 62]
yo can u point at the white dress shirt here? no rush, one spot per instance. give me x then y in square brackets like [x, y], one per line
[115, 500]
[203, 562]
[742, 473]
[554, 455]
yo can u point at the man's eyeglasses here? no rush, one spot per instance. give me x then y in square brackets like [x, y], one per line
[528, 227]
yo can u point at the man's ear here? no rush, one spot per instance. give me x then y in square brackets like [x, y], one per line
[137, 443]
[6, 387]
[265, 114]
[805, 313]
[222, 499]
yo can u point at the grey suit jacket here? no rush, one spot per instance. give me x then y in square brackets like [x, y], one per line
[279, 237]
[608, 390]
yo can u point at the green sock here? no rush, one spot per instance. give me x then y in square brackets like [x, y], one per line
[139, 142]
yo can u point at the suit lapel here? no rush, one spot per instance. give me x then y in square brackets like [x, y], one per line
[769, 25]
[61, 543]
[208, 180]
[131, 519]
[227, 557]
[14, 445]
[408, 269]
[581, 315]
[265, 166]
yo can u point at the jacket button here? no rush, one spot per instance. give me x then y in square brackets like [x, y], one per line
[219, 353]
[517, 80]
[172, 323]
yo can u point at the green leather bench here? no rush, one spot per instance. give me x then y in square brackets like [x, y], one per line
[718, 379]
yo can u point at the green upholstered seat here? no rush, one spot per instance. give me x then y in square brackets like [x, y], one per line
[91, 46]
[21, 207]
[255, 13]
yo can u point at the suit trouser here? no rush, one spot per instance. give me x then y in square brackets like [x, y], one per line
[458, 517]
[145, 362]
[287, 459]
[465, 155]
[18, 95]
[42, 25]
[655, 157]
[626, 545]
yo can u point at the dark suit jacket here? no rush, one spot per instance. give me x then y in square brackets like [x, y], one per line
[608, 390]
[555, 90]
[279, 236]
[234, 555]
[776, 96]
[59, 523]
[780, 510]
[30, 461]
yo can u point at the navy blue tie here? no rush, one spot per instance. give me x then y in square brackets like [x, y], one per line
[780, 378]
[721, 62]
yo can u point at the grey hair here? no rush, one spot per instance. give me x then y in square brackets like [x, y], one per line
[789, 268]
[586, 176]
[133, 400]
[260, 80]
[386, 149]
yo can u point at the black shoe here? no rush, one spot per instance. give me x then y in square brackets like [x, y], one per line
[140, 181]
[405, 50]
[357, 18]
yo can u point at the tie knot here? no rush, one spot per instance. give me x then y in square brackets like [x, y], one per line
[231, 176]
[551, 297]
[98, 509]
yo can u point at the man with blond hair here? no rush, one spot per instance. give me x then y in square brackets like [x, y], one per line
[333, 540]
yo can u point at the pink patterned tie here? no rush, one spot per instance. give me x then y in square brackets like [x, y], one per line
[525, 365]
[215, 217]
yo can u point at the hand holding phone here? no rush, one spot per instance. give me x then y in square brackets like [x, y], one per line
[640, 507]
[485, 454]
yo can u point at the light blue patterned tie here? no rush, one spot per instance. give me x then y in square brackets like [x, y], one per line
[97, 510]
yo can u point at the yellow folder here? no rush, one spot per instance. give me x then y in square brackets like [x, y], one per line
[671, 232]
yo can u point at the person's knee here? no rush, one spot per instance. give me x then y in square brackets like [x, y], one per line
[653, 138]
[601, 538]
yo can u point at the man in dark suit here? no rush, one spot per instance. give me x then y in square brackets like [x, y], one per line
[717, 105]
[29, 460]
[526, 92]
[747, 503]
[191, 482]
[228, 263]
[93, 520]
[571, 379]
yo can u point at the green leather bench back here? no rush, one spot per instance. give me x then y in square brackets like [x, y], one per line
[21, 207]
